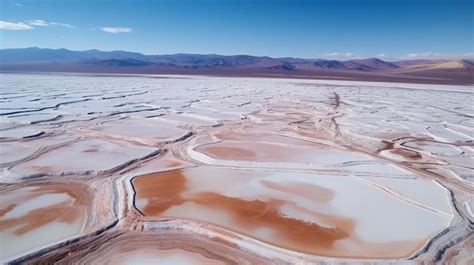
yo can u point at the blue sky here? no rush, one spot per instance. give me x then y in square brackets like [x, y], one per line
[308, 29]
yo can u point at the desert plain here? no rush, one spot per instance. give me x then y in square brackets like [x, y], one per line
[111, 169]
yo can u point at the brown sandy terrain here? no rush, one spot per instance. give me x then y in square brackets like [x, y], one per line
[416, 77]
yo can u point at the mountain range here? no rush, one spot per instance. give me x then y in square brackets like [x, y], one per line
[372, 69]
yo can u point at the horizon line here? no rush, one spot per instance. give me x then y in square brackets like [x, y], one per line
[435, 56]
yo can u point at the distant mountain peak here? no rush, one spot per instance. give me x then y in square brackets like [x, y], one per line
[375, 63]
[455, 64]
[96, 60]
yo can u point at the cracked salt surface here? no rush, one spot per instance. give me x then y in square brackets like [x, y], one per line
[372, 170]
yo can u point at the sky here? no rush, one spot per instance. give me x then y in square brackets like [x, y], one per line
[339, 29]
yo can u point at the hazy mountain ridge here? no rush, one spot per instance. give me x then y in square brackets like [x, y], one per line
[95, 61]
[36, 55]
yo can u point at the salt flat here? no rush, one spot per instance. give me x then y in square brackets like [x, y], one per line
[234, 170]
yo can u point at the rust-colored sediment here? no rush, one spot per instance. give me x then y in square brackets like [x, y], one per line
[256, 214]
[5, 210]
[37, 218]
[64, 212]
[162, 190]
[248, 151]
[228, 152]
